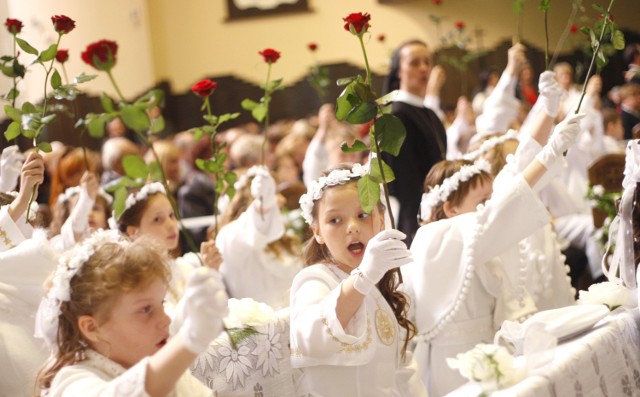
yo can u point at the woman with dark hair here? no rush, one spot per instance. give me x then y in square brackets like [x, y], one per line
[426, 140]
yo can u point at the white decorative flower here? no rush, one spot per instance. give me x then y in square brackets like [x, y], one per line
[489, 365]
[268, 351]
[235, 364]
[247, 312]
[607, 293]
[490, 144]
[150, 188]
[598, 190]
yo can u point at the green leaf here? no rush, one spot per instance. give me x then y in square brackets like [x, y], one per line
[49, 53]
[45, 147]
[368, 192]
[13, 131]
[107, 103]
[544, 5]
[598, 8]
[150, 99]
[197, 133]
[7, 71]
[157, 125]
[259, 112]
[83, 78]
[345, 103]
[48, 118]
[601, 60]
[200, 163]
[594, 39]
[135, 167]
[389, 133]
[345, 81]
[135, 118]
[388, 98]
[13, 93]
[28, 107]
[155, 171]
[362, 113]
[13, 113]
[18, 68]
[518, 6]
[248, 104]
[226, 117]
[618, 40]
[357, 146]
[56, 80]
[119, 200]
[389, 176]
[230, 177]
[95, 124]
[272, 86]
[26, 47]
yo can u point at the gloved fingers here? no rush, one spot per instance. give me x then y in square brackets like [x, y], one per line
[389, 234]
[574, 117]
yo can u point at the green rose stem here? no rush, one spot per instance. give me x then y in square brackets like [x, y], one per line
[267, 97]
[15, 83]
[216, 196]
[34, 190]
[546, 39]
[174, 206]
[367, 81]
[605, 19]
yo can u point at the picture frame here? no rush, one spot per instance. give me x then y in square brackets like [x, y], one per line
[241, 9]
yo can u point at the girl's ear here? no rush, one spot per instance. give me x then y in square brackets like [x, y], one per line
[317, 235]
[131, 231]
[449, 210]
[89, 328]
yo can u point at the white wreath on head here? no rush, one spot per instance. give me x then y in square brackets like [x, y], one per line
[316, 187]
[73, 190]
[146, 190]
[47, 317]
[440, 193]
[490, 144]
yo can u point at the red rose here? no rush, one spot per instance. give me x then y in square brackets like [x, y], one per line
[270, 55]
[14, 26]
[612, 17]
[359, 21]
[382, 38]
[312, 47]
[62, 56]
[460, 25]
[437, 2]
[63, 24]
[101, 54]
[204, 88]
[573, 28]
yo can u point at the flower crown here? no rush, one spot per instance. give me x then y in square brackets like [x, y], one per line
[251, 173]
[71, 191]
[146, 190]
[316, 187]
[60, 291]
[490, 144]
[440, 193]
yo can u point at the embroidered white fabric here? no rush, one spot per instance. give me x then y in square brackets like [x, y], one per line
[316, 187]
[440, 193]
[490, 144]
[73, 190]
[68, 266]
[150, 188]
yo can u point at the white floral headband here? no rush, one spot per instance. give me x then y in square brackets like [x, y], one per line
[251, 173]
[150, 188]
[490, 144]
[72, 191]
[60, 291]
[440, 193]
[316, 188]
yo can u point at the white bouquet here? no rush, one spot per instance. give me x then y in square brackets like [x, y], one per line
[607, 293]
[489, 365]
[247, 312]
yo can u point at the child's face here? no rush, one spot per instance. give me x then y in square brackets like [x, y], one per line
[137, 327]
[159, 221]
[478, 194]
[98, 216]
[343, 225]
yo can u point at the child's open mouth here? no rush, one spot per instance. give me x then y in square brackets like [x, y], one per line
[161, 343]
[356, 248]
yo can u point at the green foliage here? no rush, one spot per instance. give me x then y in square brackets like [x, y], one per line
[545, 5]
[368, 192]
[605, 202]
[518, 7]
[319, 80]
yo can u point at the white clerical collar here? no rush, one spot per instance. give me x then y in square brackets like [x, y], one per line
[409, 98]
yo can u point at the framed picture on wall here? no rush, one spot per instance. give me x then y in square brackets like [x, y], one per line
[238, 9]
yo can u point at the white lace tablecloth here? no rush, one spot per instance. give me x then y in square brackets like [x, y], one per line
[603, 362]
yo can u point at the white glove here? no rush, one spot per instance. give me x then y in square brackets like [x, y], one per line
[385, 251]
[562, 138]
[550, 93]
[11, 162]
[205, 305]
[263, 189]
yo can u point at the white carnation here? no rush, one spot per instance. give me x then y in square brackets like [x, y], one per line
[247, 312]
[489, 365]
[607, 293]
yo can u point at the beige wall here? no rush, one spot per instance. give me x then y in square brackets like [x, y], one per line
[184, 40]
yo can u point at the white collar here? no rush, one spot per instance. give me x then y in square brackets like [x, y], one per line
[409, 98]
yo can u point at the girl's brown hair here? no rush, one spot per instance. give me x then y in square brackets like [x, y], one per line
[290, 244]
[71, 164]
[443, 170]
[115, 268]
[62, 210]
[388, 286]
